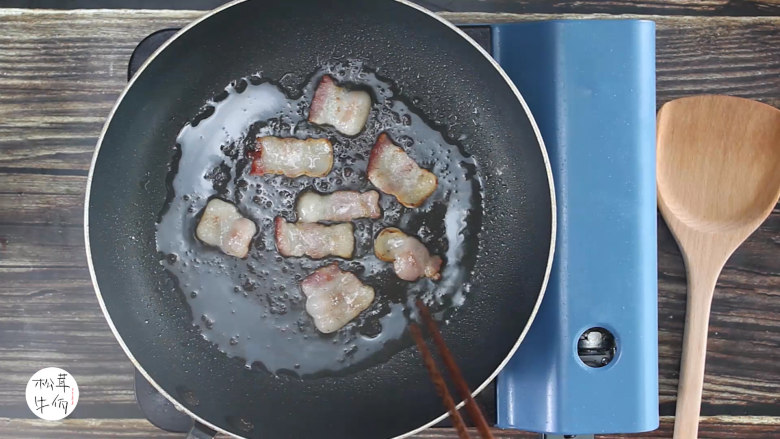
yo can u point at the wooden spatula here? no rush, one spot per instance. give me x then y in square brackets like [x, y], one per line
[718, 180]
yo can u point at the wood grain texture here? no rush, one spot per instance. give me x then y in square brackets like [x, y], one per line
[59, 83]
[669, 7]
[50, 316]
[718, 179]
[744, 332]
[723, 427]
[666, 7]
[60, 73]
[41, 199]
[697, 55]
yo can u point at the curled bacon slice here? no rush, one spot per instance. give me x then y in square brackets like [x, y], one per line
[411, 259]
[221, 225]
[314, 240]
[292, 157]
[392, 171]
[345, 110]
[334, 297]
[338, 206]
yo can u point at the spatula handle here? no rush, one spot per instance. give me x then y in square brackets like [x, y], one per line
[700, 290]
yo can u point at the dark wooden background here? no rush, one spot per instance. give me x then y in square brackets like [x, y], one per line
[61, 71]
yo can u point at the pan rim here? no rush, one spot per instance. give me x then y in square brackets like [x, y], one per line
[452, 27]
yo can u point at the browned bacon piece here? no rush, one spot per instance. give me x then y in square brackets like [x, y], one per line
[314, 240]
[392, 171]
[345, 110]
[334, 297]
[411, 259]
[292, 157]
[339, 206]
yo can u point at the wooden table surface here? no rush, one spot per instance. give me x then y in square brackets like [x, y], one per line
[60, 73]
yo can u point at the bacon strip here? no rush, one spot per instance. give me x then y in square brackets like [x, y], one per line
[334, 297]
[392, 171]
[314, 240]
[221, 225]
[411, 259]
[292, 157]
[345, 110]
[339, 206]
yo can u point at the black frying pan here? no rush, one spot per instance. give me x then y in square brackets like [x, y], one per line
[430, 61]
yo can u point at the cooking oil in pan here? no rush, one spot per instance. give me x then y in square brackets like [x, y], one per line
[253, 308]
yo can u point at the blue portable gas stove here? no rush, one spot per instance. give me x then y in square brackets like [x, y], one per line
[589, 364]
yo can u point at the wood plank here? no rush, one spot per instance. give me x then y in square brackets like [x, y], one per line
[680, 38]
[710, 427]
[32, 183]
[61, 72]
[744, 334]
[744, 326]
[716, 427]
[28, 245]
[60, 81]
[51, 317]
[35, 198]
[667, 7]
[49, 209]
[695, 55]
[82, 428]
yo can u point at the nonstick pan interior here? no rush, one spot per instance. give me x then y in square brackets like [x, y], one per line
[446, 76]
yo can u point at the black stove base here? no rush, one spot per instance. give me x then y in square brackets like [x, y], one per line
[157, 409]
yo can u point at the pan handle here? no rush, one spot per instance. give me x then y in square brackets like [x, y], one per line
[200, 431]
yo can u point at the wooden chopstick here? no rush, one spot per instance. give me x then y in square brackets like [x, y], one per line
[475, 413]
[438, 381]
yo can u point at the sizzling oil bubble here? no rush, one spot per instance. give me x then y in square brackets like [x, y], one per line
[254, 308]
